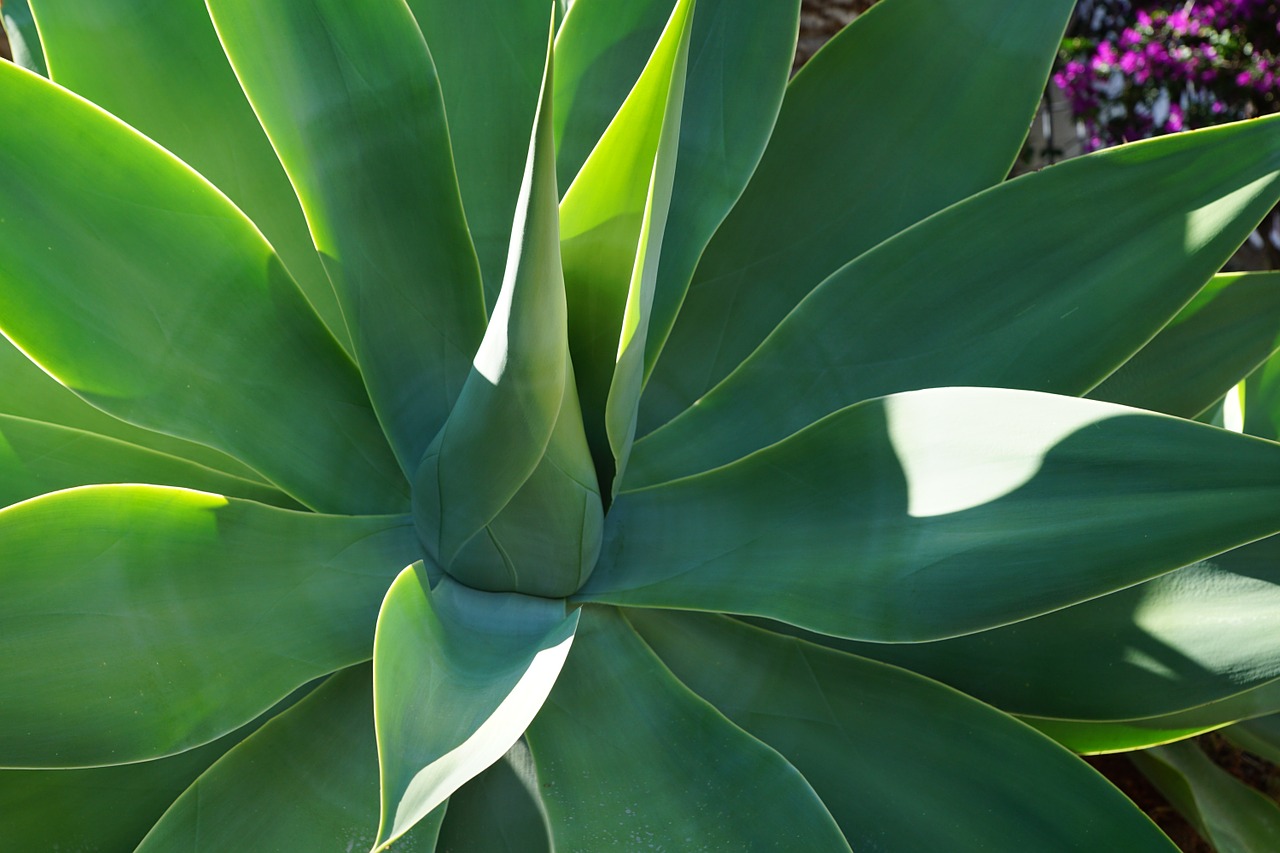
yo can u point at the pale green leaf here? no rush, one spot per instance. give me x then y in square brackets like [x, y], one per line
[882, 128]
[983, 294]
[1261, 736]
[627, 757]
[138, 621]
[348, 95]
[852, 725]
[458, 675]
[942, 512]
[601, 221]
[161, 304]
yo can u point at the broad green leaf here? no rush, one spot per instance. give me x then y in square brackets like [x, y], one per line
[984, 294]
[307, 780]
[546, 540]
[104, 808]
[28, 392]
[628, 757]
[601, 50]
[853, 160]
[177, 88]
[138, 621]
[516, 425]
[211, 340]
[1088, 737]
[1232, 816]
[623, 399]
[37, 458]
[849, 725]
[499, 811]
[489, 57]
[1197, 635]
[602, 219]
[348, 94]
[24, 41]
[941, 512]
[1260, 404]
[1231, 327]
[458, 675]
[1261, 736]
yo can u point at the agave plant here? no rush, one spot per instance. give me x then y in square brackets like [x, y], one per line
[658, 427]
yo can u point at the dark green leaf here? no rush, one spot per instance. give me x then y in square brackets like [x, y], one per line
[24, 41]
[629, 759]
[942, 512]
[306, 781]
[876, 742]
[348, 94]
[882, 128]
[985, 294]
[499, 811]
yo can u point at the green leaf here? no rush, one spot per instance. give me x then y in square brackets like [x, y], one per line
[1260, 736]
[178, 89]
[517, 416]
[1229, 329]
[458, 675]
[105, 808]
[139, 621]
[942, 512]
[489, 57]
[850, 724]
[601, 50]
[307, 780]
[1193, 636]
[740, 55]
[24, 41]
[28, 392]
[602, 219]
[233, 357]
[1232, 816]
[628, 757]
[348, 95]
[37, 458]
[983, 294]
[1260, 404]
[499, 811]
[853, 161]
[623, 398]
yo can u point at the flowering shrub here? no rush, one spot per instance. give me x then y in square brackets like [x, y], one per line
[1138, 68]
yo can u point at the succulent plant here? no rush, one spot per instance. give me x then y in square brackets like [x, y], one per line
[660, 428]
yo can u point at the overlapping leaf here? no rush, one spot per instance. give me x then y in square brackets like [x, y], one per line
[991, 783]
[457, 677]
[163, 305]
[139, 621]
[349, 98]
[914, 132]
[941, 512]
[982, 294]
[627, 757]
[199, 113]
